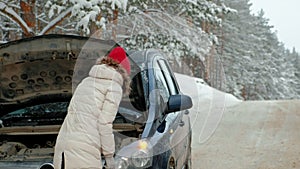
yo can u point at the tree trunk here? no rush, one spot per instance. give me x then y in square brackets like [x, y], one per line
[27, 14]
[95, 31]
[10, 13]
[115, 23]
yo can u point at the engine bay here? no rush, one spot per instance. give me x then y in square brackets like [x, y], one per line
[28, 138]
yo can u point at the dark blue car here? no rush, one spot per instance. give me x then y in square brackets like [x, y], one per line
[152, 128]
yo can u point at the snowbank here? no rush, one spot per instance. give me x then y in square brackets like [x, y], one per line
[197, 88]
[208, 108]
[209, 105]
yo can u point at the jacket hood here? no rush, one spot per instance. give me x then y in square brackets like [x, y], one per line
[106, 72]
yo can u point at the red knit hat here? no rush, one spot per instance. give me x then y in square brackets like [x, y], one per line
[118, 54]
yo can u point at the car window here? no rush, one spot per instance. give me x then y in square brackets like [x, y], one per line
[134, 106]
[161, 83]
[139, 91]
[168, 76]
[42, 114]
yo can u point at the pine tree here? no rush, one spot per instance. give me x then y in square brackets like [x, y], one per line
[256, 63]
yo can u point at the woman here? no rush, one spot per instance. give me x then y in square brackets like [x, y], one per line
[87, 129]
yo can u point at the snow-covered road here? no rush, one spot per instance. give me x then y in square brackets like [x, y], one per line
[229, 133]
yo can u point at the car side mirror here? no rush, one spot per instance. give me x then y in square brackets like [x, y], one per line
[179, 102]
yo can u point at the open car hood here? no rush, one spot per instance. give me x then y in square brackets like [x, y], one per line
[41, 69]
[37, 78]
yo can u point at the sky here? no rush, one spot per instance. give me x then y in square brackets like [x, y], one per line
[284, 16]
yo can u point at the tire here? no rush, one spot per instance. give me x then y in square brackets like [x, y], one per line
[161, 161]
[188, 162]
[171, 163]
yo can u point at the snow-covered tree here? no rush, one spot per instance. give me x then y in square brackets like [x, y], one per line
[85, 12]
[25, 18]
[84, 17]
[171, 25]
[7, 8]
[99, 12]
[256, 64]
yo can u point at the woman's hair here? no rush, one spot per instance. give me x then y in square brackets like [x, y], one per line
[126, 78]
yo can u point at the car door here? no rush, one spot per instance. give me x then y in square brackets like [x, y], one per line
[175, 124]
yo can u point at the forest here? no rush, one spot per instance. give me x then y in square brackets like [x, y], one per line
[221, 41]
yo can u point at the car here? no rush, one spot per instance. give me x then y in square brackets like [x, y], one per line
[38, 75]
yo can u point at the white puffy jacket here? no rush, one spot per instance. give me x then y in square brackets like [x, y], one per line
[87, 128]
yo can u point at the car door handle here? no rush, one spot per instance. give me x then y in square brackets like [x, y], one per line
[186, 112]
[181, 123]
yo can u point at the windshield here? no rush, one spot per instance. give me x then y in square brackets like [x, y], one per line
[42, 114]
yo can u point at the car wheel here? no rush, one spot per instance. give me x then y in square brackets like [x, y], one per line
[171, 163]
[188, 163]
[168, 161]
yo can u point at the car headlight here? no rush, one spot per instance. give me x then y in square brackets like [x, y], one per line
[135, 155]
[122, 163]
[140, 159]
